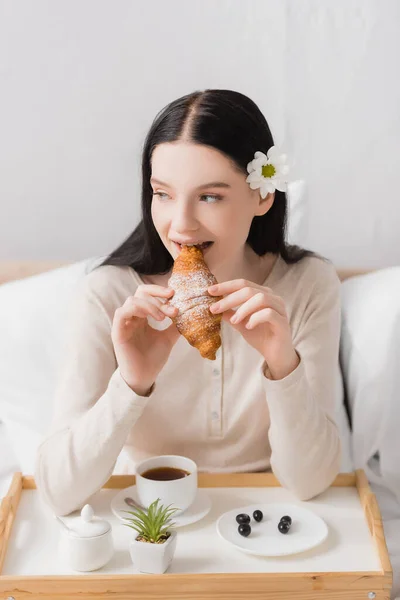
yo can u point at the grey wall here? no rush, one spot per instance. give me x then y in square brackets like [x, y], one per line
[81, 81]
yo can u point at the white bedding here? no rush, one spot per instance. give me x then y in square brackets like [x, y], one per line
[370, 359]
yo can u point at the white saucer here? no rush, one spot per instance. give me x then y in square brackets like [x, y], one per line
[307, 530]
[198, 510]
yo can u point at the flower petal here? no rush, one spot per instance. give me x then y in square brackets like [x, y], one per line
[255, 185]
[255, 165]
[268, 187]
[254, 176]
[280, 185]
[282, 172]
[261, 155]
[258, 163]
[281, 159]
[272, 153]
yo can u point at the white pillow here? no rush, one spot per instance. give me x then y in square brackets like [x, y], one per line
[297, 213]
[370, 360]
[342, 422]
[32, 330]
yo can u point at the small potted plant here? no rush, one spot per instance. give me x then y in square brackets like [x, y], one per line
[153, 547]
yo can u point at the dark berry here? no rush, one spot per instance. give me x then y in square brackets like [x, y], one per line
[257, 515]
[287, 519]
[283, 526]
[242, 518]
[244, 529]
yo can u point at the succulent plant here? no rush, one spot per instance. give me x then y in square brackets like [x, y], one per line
[152, 524]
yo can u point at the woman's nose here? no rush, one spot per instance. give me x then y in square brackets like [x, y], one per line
[184, 219]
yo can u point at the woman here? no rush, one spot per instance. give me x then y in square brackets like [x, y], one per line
[131, 382]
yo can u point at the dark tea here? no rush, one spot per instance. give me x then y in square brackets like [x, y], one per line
[165, 473]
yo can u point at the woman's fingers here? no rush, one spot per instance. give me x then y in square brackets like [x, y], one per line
[169, 310]
[232, 300]
[255, 303]
[157, 291]
[157, 295]
[228, 287]
[144, 307]
[139, 307]
[244, 300]
[266, 315]
[148, 301]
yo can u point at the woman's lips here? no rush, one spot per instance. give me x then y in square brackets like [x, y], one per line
[204, 246]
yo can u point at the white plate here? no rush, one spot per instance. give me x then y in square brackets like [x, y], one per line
[198, 510]
[307, 530]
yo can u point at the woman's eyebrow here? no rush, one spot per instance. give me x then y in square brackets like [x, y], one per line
[218, 184]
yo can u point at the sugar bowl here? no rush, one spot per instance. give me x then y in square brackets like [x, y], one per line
[86, 543]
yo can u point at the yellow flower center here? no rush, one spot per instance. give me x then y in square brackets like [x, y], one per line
[268, 171]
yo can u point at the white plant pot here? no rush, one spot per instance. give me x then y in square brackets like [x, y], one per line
[153, 558]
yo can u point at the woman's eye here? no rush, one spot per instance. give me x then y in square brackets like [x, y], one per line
[210, 198]
[161, 195]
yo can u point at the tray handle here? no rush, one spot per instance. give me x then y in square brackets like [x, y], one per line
[8, 510]
[375, 524]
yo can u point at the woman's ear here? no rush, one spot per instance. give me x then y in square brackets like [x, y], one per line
[264, 204]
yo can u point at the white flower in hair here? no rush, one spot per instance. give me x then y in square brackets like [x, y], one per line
[268, 172]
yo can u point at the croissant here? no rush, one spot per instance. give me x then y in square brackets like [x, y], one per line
[190, 280]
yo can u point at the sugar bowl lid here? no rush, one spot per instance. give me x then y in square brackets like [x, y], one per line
[88, 525]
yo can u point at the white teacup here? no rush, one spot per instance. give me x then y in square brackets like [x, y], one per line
[178, 492]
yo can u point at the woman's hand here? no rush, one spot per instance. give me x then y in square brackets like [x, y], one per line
[261, 319]
[142, 351]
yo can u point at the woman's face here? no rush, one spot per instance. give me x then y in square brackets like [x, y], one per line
[199, 198]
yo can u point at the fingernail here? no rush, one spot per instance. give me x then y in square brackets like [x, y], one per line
[214, 307]
[212, 288]
[234, 319]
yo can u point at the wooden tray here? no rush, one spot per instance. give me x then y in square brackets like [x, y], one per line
[339, 585]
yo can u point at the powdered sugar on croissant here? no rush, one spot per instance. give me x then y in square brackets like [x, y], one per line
[190, 280]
